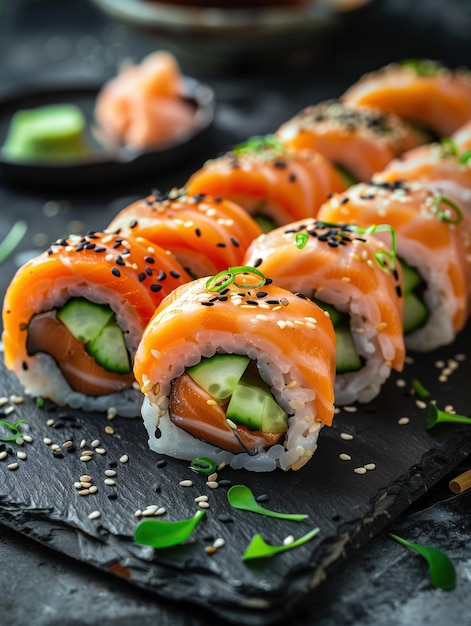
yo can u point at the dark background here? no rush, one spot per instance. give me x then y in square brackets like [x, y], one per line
[71, 40]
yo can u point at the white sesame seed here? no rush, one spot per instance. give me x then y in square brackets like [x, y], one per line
[370, 466]
[95, 443]
[203, 505]
[86, 458]
[93, 489]
[124, 458]
[402, 421]
[78, 485]
[350, 409]
[3, 455]
[27, 438]
[212, 484]
[94, 515]
[22, 455]
[3, 401]
[109, 430]
[84, 492]
[83, 443]
[219, 542]
[420, 404]
[213, 476]
[110, 482]
[231, 424]
[439, 364]
[201, 499]
[346, 436]
[345, 457]
[138, 513]
[100, 450]
[261, 318]
[161, 510]
[400, 382]
[9, 410]
[13, 466]
[47, 441]
[19, 441]
[110, 473]
[288, 540]
[86, 478]
[186, 483]
[360, 470]
[17, 399]
[55, 447]
[50, 422]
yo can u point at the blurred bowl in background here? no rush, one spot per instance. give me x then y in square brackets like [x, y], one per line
[232, 34]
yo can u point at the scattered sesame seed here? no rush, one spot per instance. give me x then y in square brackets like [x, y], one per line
[402, 421]
[93, 489]
[124, 458]
[288, 540]
[22, 455]
[13, 466]
[19, 441]
[203, 504]
[201, 499]
[219, 543]
[95, 443]
[100, 450]
[420, 404]
[94, 515]
[212, 476]
[345, 457]
[110, 473]
[400, 382]
[84, 492]
[50, 422]
[360, 470]
[350, 409]
[370, 466]
[27, 438]
[110, 482]
[3, 455]
[346, 436]
[210, 549]
[109, 430]
[186, 483]
[86, 458]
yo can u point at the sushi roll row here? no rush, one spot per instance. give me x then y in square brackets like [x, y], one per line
[290, 274]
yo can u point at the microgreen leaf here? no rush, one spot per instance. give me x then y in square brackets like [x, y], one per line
[13, 427]
[240, 497]
[13, 238]
[419, 389]
[228, 277]
[258, 548]
[436, 416]
[465, 157]
[159, 533]
[448, 147]
[441, 569]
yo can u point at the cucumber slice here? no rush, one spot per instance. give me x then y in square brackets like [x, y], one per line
[219, 374]
[347, 358]
[412, 278]
[84, 319]
[254, 407]
[415, 313]
[337, 318]
[109, 349]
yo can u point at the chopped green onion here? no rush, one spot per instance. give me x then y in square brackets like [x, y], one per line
[258, 548]
[444, 215]
[436, 416]
[203, 465]
[384, 258]
[441, 569]
[448, 147]
[423, 67]
[13, 238]
[301, 240]
[40, 403]
[240, 497]
[465, 157]
[228, 277]
[159, 533]
[420, 389]
[14, 429]
[260, 144]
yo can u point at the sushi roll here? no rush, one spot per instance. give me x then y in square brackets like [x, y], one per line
[74, 315]
[433, 244]
[424, 92]
[352, 276]
[238, 370]
[275, 184]
[359, 140]
[205, 234]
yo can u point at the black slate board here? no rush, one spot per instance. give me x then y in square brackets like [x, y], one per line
[39, 499]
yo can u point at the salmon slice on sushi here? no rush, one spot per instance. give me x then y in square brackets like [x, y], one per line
[204, 233]
[74, 315]
[433, 244]
[353, 277]
[238, 370]
[275, 184]
[424, 92]
[359, 140]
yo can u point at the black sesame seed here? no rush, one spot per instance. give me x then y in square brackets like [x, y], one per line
[207, 303]
[157, 433]
[399, 291]
[100, 249]
[225, 519]
[220, 244]
[142, 276]
[262, 498]
[257, 262]
[149, 259]
[112, 496]
[174, 274]
[113, 464]
[149, 271]
[261, 294]
[120, 261]
[115, 271]
[24, 366]
[58, 454]
[133, 224]
[235, 242]
[155, 287]
[198, 232]
[225, 482]
[161, 463]
[161, 275]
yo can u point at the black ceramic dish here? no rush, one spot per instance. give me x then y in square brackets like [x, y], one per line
[103, 166]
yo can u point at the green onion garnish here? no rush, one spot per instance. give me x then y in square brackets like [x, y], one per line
[260, 144]
[14, 429]
[441, 569]
[301, 240]
[448, 147]
[444, 215]
[13, 238]
[203, 465]
[384, 258]
[422, 67]
[258, 548]
[436, 416]
[465, 157]
[228, 277]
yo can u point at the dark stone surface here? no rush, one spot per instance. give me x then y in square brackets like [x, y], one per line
[380, 582]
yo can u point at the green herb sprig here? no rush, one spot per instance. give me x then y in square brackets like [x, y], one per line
[226, 278]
